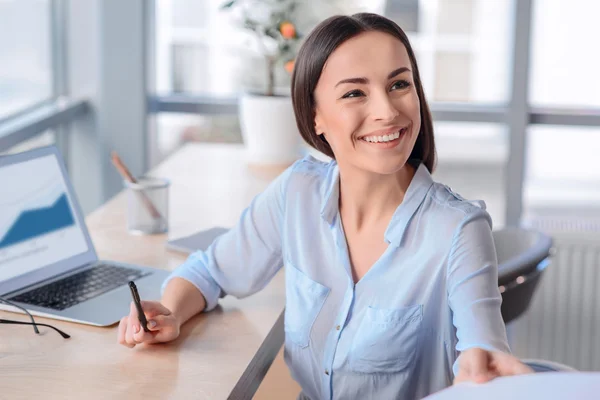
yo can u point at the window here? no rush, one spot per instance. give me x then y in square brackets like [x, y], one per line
[176, 129]
[472, 161]
[25, 54]
[201, 51]
[565, 59]
[463, 48]
[45, 138]
[562, 166]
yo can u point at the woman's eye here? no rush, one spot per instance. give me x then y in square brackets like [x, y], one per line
[354, 93]
[400, 85]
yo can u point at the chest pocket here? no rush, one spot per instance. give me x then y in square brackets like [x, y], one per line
[304, 300]
[386, 340]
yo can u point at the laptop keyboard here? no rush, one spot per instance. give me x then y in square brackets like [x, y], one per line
[79, 287]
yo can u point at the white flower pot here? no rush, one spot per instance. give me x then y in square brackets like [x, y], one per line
[269, 130]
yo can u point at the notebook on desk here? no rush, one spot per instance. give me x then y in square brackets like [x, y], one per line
[48, 264]
[196, 241]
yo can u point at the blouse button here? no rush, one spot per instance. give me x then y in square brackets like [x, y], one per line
[326, 372]
[337, 328]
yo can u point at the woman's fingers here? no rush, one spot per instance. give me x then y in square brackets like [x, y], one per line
[478, 365]
[142, 336]
[133, 326]
[507, 364]
[122, 332]
[153, 308]
[474, 366]
[168, 328]
[162, 329]
[160, 322]
[153, 324]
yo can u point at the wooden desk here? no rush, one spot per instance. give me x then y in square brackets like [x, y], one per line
[218, 354]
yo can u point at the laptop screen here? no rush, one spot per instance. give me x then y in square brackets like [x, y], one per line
[38, 225]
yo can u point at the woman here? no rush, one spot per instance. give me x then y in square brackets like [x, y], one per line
[389, 275]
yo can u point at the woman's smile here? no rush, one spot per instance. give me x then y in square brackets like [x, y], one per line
[387, 139]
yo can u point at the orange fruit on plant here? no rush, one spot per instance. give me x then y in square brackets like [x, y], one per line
[287, 29]
[289, 66]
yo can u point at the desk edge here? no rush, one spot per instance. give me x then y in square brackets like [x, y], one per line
[260, 363]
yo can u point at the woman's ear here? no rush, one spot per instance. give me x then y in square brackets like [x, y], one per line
[319, 129]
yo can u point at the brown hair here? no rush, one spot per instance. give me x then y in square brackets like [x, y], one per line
[313, 54]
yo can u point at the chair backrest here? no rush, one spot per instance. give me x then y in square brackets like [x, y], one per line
[519, 252]
[516, 295]
[522, 257]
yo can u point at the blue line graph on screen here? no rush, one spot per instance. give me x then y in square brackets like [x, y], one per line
[34, 222]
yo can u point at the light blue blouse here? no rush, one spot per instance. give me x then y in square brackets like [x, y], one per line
[396, 333]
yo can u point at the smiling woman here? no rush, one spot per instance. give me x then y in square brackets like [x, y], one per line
[375, 111]
[393, 88]
[390, 277]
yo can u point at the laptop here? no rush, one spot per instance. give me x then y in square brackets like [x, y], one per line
[48, 263]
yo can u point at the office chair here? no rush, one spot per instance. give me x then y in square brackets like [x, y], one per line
[523, 255]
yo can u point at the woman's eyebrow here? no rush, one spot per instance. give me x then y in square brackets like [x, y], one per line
[363, 81]
[397, 71]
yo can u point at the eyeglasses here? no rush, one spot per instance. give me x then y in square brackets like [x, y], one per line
[35, 324]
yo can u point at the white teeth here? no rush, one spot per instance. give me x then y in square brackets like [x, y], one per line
[382, 139]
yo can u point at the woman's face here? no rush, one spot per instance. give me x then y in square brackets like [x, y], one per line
[367, 105]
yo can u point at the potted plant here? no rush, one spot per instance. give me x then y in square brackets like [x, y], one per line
[267, 118]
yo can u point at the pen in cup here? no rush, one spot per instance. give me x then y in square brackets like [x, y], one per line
[128, 176]
[138, 306]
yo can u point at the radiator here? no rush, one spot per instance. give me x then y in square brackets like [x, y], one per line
[563, 321]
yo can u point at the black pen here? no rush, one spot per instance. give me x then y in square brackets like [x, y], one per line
[138, 305]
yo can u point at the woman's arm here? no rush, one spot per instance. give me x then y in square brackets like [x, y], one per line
[475, 301]
[473, 292]
[183, 299]
[240, 262]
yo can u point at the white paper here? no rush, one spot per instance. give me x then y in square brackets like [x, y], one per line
[545, 385]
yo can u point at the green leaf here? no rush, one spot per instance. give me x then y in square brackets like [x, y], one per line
[272, 33]
[229, 4]
[248, 24]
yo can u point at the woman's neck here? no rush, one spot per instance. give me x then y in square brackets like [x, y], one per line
[369, 199]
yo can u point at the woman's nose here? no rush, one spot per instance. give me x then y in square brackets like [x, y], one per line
[383, 109]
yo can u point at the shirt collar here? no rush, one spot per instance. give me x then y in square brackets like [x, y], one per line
[331, 193]
[415, 195]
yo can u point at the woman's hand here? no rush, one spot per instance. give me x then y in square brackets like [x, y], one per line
[479, 366]
[162, 323]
